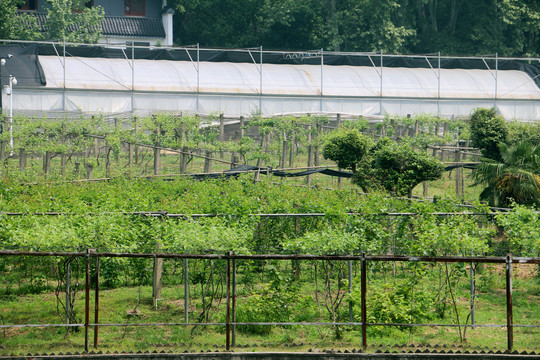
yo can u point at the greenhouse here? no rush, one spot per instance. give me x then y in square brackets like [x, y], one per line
[75, 80]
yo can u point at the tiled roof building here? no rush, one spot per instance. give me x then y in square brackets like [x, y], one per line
[146, 22]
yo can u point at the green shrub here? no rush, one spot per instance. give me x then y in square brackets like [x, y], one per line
[488, 130]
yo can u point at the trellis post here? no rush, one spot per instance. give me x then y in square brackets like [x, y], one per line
[233, 339]
[363, 287]
[87, 301]
[509, 310]
[228, 313]
[186, 290]
[96, 306]
[351, 317]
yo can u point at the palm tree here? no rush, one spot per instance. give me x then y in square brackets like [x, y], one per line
[514, 179]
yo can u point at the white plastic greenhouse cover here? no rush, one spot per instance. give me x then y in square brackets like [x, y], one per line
[113, 85]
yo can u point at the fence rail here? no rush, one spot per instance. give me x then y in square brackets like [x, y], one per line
[230, 275]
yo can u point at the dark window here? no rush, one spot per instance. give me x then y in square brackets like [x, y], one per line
[29, 5]
[80, 5]
[134, 7]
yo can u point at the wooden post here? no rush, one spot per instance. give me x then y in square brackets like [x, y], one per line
[221, 134]
[208, 162]
[291, 151]
[242, 125]
[157, 275]
[235, 160]
[459, 170]
[88, 166]
[47, 162]
[338, 121]
[89, 170]
[107, 160]
[416, 125]
[183, 160]
[284, 150]
[316, 153]
[221, 128]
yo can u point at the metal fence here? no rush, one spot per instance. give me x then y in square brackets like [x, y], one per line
[230, 259]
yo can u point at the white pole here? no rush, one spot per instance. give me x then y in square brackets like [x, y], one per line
[261, 81]
[496, 75]
[381, 89]
[132, 77]
[198, 77]
[439, 86]
[12, 79]
[64, 76]
[322, 80]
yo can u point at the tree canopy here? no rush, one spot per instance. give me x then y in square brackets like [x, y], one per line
[507, 27]
[396, 168]
[62, 23]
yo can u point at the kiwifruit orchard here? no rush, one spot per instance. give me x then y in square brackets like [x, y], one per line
[144, 217]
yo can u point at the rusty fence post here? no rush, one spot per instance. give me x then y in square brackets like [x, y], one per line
[233, 339]
[186, 290]
[363, 280]
[509, 312]
[96, 306]
[351, 317]
[68, 292]
[228, 315]
[87, 301]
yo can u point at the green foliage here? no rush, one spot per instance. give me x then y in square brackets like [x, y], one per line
[398, 168]
[523, 132]
[395, 302]
[64, 25]
[276, 303]
[506, 27]
[522, 228]
[16, 26]
[348, 149]
[488, 130]
[516, 178]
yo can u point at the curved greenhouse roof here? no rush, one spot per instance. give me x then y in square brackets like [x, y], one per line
[242, 86]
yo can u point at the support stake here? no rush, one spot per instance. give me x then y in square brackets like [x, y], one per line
[509, 312]
[228, 315]
[96, 306]
[363, 280]
[87, 301]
